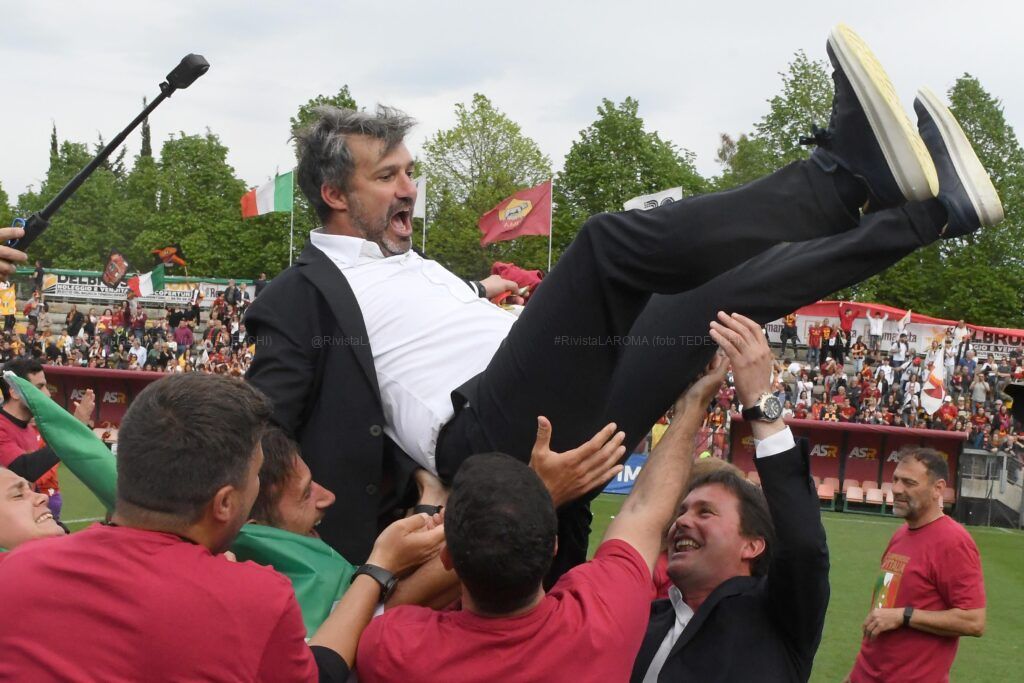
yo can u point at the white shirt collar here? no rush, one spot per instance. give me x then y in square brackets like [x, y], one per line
[344, 250]
[683, 611]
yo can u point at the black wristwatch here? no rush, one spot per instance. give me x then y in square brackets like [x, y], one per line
[386, 579]
[766, 409]
[907, 613]
[428, 509]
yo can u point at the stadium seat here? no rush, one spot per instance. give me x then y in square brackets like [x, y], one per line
[887, 486]
[948, 497]
[868, 484]
[852, 496]
[847, 483]
[875, 496]
[754, 478]
[889, 500]
[827, 496]
[816, 479]
[831, 481]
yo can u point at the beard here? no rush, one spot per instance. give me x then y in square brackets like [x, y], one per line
[374, 229]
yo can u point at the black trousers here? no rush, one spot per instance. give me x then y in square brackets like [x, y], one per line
[593, 345]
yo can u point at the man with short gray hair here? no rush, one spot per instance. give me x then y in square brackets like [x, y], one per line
[929, 590]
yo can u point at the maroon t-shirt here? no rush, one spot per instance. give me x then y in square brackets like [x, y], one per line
[587, 628]
[935, 567]
[120, 604]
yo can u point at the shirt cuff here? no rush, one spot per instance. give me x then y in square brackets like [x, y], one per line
[779, 442]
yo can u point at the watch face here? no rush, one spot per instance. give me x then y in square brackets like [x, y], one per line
[771, 409]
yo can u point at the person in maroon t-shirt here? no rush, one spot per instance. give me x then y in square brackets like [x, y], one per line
[930, 589]
[152, 580]
[813, 344]
[500, 528]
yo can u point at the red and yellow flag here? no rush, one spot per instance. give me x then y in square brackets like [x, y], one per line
[527, 212]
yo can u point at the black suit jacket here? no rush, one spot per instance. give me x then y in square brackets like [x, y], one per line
[758, 628]
[313, 359]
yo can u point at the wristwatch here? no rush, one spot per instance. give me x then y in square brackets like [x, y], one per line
[386, 579]
[766, 409]
[908, 612]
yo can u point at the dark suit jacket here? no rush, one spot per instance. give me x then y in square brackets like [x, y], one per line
[313, 359]
[765, 628]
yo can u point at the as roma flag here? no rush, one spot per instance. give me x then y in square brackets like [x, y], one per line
[527, 212]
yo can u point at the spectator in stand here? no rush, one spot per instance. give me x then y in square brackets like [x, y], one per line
[74, 321]
[827, 331]
[37, 276]
[138, 324]
[89, 324]
[813, 344]
[898, 353]
[969, 364]
[183, 338]
[840, 345]
[930, 589]
[260, 283]
[847, 314]
[789, 333]
[947, 413]
[34, 307]
[980, 391]
[961, 340]
[858, 351]
[174, 317]
[876, 327]
[244, 298]
[232, 295]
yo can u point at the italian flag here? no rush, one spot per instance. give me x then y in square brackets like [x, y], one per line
[274, 196]
[147, 283]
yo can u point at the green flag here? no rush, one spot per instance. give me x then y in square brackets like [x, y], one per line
[319, 575]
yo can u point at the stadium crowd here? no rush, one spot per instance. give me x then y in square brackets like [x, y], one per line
[124, 337]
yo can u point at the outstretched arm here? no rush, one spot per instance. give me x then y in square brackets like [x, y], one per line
[647, 511]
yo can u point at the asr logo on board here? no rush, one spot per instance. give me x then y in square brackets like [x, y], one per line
[115, 397]
[863, 453]
[515, 212]
[825, 450]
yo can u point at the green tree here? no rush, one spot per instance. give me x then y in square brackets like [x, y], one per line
[198, 207]
[805, 101]
[6, 212]
[614, 160]
[83, 231]
[470, 168]
[979, 277]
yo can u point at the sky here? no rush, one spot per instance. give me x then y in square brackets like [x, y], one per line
[698, 69]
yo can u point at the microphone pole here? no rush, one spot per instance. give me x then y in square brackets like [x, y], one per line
[188, 70]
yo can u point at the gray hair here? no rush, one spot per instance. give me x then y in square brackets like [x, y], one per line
[324, 154]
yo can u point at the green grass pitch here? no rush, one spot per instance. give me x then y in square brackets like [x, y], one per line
[856, 543]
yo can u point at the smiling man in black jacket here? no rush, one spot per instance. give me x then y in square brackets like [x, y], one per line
[749, 597]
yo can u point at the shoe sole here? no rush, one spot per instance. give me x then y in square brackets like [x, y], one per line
[904, 150]
[972, 174]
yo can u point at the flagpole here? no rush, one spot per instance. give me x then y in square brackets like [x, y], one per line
[551, 220]
[291, 227]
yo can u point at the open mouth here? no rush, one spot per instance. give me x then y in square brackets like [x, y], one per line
[401, 223]
[683, 545]
[313, 532]
[44, 518]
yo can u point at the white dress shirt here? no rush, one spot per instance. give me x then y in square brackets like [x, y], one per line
[428, 332]
[779, 442]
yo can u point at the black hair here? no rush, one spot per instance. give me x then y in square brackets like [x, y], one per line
[500, 526]
[279, 454]
[22, 367]
[183, 438]
[755, 518]
[931, 459]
